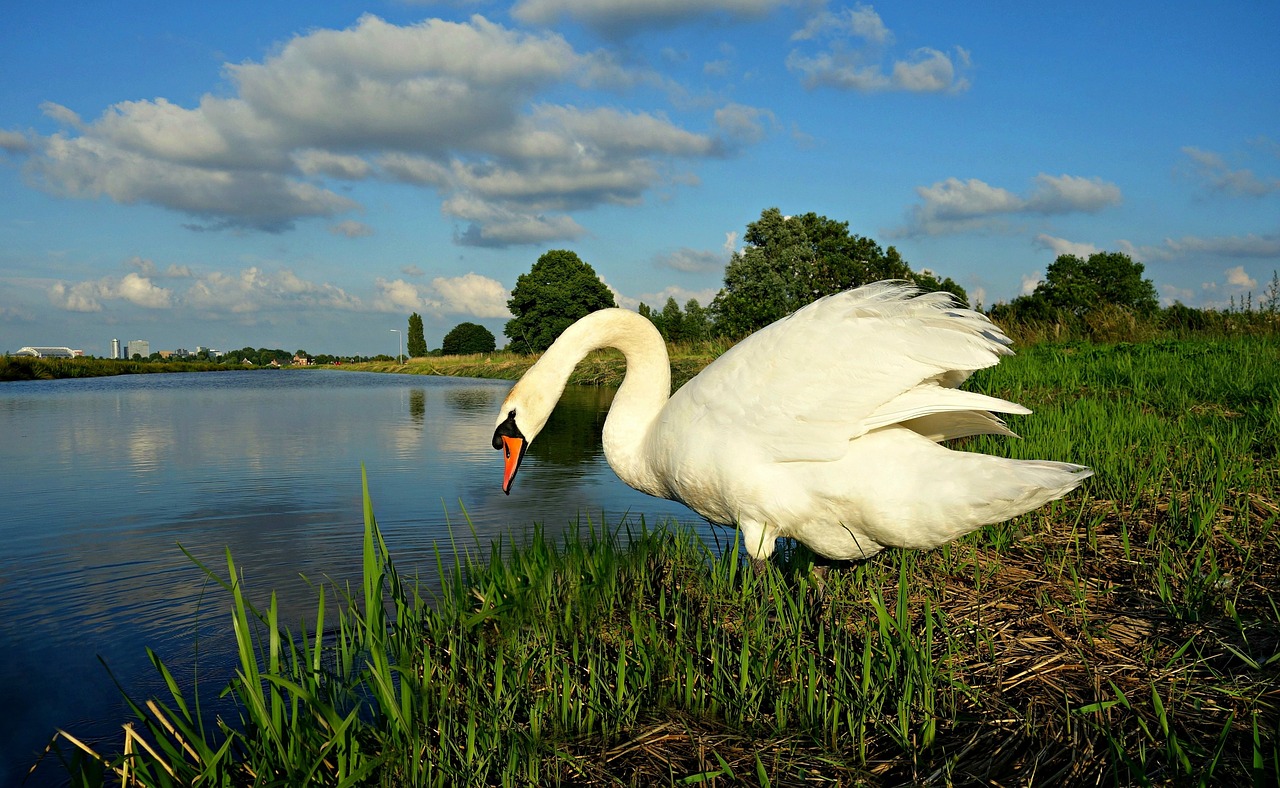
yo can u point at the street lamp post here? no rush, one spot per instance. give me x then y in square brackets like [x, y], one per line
[399, 344]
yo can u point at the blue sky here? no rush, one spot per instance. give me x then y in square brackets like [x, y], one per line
[305, 175]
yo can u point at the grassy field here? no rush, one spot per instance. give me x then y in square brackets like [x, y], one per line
[1129, 635]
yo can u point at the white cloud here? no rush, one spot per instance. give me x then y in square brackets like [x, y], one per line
[140, 290]
[450, 106]
[254, 290]
[1218, 176]
[855, 57]
[1029, 281]
[619, 18]
[472, 294]
[730, 243]
[133, 288]
[469, 294]
[398, 296]
[953, 205]
[1061, 246]
[1069, 194]
[1237, 277]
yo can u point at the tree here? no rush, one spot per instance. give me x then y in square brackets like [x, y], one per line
[1078, 286]
[790, 261]
[467, 338]
[415, 340]
[559, 289]
[696, 325]
[672, 321]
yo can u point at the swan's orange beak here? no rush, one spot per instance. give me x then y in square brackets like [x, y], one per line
[513, 449]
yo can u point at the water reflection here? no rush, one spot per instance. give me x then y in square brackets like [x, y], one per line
[417, 406]
[105, 478]
[472, 400]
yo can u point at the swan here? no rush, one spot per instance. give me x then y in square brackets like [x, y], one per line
[824, 426]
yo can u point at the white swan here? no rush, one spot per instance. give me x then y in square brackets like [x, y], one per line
[822, 427]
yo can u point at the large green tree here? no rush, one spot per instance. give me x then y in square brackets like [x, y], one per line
[1077, 285]
[417, 341]
[559, 289]
[467, 338]
[790, 261]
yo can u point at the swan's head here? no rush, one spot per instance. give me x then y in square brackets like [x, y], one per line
[524, 413]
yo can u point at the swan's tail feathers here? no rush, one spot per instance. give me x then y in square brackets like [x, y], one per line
[1033, 483]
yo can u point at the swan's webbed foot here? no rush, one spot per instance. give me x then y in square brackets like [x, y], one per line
[760, 565]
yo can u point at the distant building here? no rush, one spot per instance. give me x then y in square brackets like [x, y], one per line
[138, 347]
[49, 352]
[115, 348]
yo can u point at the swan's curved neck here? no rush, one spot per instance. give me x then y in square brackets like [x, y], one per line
[645, 388]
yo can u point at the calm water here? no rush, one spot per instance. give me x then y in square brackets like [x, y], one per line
[103, 479]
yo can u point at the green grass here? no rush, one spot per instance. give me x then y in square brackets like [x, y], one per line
[28, 368]
[1129, 635]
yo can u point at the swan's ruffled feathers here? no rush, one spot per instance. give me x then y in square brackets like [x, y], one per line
[850, 363]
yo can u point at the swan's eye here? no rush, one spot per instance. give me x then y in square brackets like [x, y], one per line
[511, 415]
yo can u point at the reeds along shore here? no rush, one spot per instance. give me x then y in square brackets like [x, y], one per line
[1127, 635]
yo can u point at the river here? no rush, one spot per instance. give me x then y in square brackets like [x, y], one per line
[105, 481]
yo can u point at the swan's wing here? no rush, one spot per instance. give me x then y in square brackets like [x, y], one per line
[803, 387]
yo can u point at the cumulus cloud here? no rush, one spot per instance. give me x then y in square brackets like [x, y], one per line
[955, 205]
[455, 107]
[1237, 277]
[397, 295]
[133, 288]
[1061, 246]
[851, 51]
[469, 294]
[472, 294]
[620, 18]
[1029, 282]
[1212, 170]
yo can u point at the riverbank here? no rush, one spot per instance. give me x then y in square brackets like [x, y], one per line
[28, 368]
[1126, 635]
